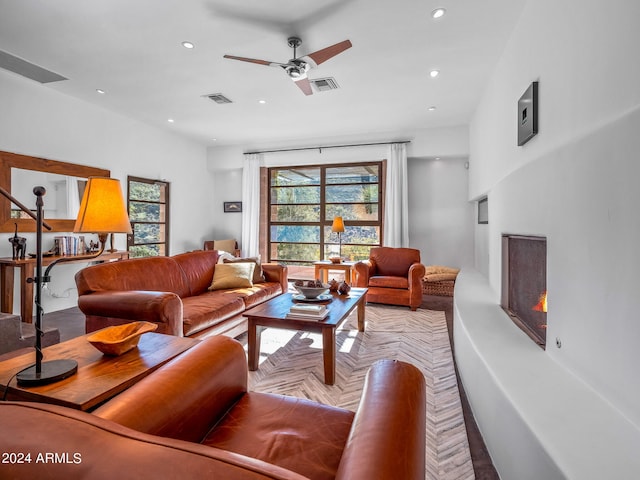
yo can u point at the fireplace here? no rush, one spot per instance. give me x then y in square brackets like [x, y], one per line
[524, 284]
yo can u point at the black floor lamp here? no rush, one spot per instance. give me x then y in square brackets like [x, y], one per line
[102, 211]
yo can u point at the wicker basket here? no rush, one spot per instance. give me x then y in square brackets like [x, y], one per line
[443, 288]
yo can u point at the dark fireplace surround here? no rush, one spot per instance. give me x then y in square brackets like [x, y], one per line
[524, 284]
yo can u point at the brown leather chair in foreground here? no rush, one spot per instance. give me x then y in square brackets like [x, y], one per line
[392, 275]
[193, 418]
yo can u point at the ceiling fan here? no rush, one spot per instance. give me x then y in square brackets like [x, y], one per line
[297, 68]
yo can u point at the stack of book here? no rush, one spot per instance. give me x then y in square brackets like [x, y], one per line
[308, 312]
[69, 245]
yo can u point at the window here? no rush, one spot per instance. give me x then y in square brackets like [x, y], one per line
[303, 202]
[148, 204]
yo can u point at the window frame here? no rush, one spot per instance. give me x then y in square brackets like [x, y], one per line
[324, 222]
[164, 232]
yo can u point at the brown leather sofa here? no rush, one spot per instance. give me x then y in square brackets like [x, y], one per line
[392, 276]
[194, 418]
[172, 292]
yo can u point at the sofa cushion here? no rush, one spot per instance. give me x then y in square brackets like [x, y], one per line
[209, 309]
[389, 282]
[290, 432]
[232, 275]
[259, 293]
[97, 449]
[198, 267]
[161, 274]
[258, 275]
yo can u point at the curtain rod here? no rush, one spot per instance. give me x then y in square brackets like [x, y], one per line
[319, 148]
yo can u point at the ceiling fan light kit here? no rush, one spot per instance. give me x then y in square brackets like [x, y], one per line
[297, 68]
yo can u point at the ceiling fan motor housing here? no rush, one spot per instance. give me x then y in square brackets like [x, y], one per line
[296, 68]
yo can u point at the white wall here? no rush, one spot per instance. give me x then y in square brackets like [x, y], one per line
[439, 214]
[575, 182]
[440, 219]
[36, 120]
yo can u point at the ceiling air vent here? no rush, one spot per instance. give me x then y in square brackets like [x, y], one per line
[324, 84]
[27, 69]
[218, 98]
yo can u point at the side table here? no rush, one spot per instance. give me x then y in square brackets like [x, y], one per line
[99, 377]
[27, 270]
[322, 270]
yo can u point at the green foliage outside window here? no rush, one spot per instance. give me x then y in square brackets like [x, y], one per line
[304, 201]
[148, 208]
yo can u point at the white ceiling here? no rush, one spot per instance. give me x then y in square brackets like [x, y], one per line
[132, 50]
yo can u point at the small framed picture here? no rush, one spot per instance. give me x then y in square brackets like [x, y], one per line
[230, 207]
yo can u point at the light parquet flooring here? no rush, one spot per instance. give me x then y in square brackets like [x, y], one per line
[291, 364]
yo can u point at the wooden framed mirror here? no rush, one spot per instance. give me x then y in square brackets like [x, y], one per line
[16, 166]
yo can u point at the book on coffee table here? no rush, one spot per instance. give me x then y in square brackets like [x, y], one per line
[311, 312]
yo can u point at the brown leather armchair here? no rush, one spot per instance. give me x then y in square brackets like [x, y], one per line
[392, 275]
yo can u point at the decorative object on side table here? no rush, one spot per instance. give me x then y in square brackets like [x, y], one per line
[338, 227]
[120, 338]
[18, 244]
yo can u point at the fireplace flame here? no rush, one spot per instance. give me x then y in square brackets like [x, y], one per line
[541, 306]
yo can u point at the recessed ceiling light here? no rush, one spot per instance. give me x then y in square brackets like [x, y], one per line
[438, 13]
[188, 45]
[100, 91]
[170, 120]
[262, 102]
[434, 73]
[431, 109]
[214, 139]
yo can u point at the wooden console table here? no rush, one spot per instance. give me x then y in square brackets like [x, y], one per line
[99, 377]
[27, 268]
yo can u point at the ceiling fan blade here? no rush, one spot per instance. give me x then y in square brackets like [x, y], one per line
[304, 85]
[255, 60]
[326, 53]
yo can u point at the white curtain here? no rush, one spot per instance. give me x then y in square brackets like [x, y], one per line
[396, 223]
[251, 204]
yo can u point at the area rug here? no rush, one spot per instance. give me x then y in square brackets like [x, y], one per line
[291, 364]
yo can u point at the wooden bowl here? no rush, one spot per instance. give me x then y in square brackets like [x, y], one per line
[121, 338]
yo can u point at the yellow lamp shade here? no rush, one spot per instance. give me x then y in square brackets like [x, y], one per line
[103, 208]
[338, 225]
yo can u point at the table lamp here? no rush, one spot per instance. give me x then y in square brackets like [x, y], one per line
[102, 211]
[338, 227]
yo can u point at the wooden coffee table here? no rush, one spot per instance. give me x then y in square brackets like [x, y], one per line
[99, 376]
[273, 313]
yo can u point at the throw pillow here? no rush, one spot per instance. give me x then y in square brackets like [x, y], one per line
[222, 255]
[232, 275]
[258, 274]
